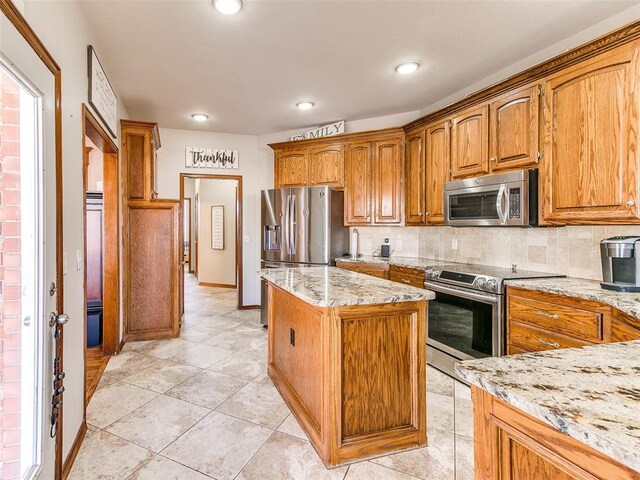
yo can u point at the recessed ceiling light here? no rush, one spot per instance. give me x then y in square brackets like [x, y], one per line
[228, 7]
[305, 105]
[408, 67]
[200, 117]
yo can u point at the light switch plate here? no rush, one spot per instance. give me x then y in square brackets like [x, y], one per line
[246, 239]
[78, 260]
[65, 263]
[454, 244]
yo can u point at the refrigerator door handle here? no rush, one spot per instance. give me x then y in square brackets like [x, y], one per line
[293, 224]
[287, 222]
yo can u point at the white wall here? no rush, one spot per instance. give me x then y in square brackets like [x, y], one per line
[256, 176]
[190, 192]
[62, 28]
[95, 169]
[217, 266]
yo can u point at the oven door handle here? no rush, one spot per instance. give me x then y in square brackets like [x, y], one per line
[461, 292]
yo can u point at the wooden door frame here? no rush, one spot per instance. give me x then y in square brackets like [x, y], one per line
[8, 8]
[188, 200]
[238, 178]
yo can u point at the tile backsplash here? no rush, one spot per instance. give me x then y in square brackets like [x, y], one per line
[572, 251]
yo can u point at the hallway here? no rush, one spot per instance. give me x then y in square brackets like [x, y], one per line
[201, 406]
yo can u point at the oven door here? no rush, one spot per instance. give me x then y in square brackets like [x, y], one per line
[464, 324]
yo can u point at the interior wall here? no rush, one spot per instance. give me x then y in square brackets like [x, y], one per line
[217, 266]
[95, 169]
[63, 29]
[256, 176]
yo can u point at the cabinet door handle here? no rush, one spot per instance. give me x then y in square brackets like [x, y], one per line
[404, 280]
[542, 313]
[548, 343]
[631, 203]
[493, 159]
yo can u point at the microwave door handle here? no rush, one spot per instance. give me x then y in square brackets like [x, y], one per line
[502, 215]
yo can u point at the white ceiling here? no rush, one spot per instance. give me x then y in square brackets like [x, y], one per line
[169, 59]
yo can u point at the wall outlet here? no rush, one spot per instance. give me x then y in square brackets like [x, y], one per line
[454, 244]
[246, 239]
[386, 240]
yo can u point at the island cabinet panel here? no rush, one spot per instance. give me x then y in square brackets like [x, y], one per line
[358, 184]
[415, 192]
[590, 126]
[387, 181]
[353, 376]
[470, 143]
[376, 374]
[511, 445]
[380, 270]
[291, 168]
[514, 130]
[326, 165]
[437, 164]
[624, 327]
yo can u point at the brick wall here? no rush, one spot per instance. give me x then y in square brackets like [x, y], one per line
[10, 285]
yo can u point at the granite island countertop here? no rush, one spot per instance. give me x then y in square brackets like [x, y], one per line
[411, 262]
[335, 287]
[627, 302]
[589, 393]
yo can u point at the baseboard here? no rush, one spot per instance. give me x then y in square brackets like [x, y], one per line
[75, 448]
[219, 285]
[251, 307]
[121, 346]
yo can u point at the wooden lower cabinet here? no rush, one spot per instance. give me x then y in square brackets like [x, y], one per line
[406, 275]
[539, 321]
[380, 270]
[511, 445]
[354, 377]
[152, 270]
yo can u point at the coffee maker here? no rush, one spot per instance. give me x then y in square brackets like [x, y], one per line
[621, 264]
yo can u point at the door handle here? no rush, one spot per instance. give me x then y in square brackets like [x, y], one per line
[55, 319]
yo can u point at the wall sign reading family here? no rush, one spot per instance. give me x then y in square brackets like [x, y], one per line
[326, 131]
[101, 95]
[210, 158]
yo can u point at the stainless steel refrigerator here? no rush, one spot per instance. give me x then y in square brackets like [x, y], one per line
[301, 227]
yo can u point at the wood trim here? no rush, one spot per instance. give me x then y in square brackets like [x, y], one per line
[8, 8]
[611, 40]
[239, 235]
[219, 285]
[251, 307]
[345, 137]
[188, 200]
[75, 448]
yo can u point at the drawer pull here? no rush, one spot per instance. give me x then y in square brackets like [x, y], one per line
[404, 280]
[542, 313]
[548, 343]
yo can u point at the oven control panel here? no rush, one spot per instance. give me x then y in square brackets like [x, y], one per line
[487, 284]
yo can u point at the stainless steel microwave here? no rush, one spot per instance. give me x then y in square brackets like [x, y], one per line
[505, 199]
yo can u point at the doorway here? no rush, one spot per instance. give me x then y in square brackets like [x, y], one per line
[31, 259]
[213, 240]
[101, 260]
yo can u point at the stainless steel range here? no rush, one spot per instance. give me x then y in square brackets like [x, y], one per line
[467, 318]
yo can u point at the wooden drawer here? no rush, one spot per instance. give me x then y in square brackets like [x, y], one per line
[563, 319]
[379, 270]
[406, 275]
[524, 338]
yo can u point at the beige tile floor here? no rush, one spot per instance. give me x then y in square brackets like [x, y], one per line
[201, 407]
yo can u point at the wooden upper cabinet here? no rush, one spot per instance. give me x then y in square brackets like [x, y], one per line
[415, 179]
[358, 184]
[470, 142]
[589, 168]
[326, 165]
[291, 168]
[514, 130]
[387, 181]
[140, 141]
[437, 160]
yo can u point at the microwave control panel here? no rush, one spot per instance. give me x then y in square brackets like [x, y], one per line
[514, 203]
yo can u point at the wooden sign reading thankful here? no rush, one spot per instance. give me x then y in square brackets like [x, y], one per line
[326, 131]
[210, 158]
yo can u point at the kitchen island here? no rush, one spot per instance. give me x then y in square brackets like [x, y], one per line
[560, 414]
[347, 354]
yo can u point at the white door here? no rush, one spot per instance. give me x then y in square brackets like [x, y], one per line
[28, 193]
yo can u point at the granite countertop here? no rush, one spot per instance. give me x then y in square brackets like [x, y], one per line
[585, 289]
[411, 262]
[333, 287]
[590, 393]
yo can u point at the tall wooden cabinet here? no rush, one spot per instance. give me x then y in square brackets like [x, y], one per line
[388, 177]
[415, 191]
[437, 160]
[590, 128]
[152, 255]
[359, 185]
[470, 142]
